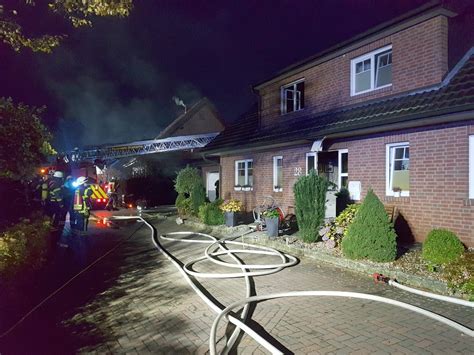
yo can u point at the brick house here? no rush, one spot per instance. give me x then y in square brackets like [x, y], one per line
[391, 109]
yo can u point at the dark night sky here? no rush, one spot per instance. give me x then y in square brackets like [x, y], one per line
[114, 82]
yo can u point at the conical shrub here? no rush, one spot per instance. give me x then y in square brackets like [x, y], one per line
[371, 235]
[310, 204]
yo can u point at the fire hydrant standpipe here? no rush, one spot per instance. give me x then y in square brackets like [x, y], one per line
[212, 252]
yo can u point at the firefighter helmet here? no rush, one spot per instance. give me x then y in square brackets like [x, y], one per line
[80, 180]
[58, 174]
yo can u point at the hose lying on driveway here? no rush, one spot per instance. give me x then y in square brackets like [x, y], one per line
[381, 278]
[211, 252]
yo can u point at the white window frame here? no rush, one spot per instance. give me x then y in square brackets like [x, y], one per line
[315, 155]
[370, 56]
[236, 173]
[388, 169]
[471, 167]
[339, 164]
[283, 110]
[275, 173]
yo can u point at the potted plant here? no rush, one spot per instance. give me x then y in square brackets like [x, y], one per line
[237, 187]
[230, 209]
[247, 188]
[272, 218]
[397, 191]
[277, 188]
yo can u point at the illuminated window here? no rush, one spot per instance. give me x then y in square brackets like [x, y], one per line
[371, 71]
[311, 161]
[343, 164]
[278, 174]
[471, 167]
[292, 97]
[244, 173]
[398, 169]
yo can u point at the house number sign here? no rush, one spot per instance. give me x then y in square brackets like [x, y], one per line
[298, 171]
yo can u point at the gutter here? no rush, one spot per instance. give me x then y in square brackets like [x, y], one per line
[412, 122]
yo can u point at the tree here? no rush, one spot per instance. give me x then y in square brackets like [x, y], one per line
[310, 204]
[77, 12]
[371, 235]
[25, 140]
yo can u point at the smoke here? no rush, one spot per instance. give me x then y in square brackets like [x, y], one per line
[116, 96]
[179, 102]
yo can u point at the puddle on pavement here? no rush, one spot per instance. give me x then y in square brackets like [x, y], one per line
[114, 224]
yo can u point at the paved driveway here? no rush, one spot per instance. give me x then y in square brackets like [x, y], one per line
[135, 301]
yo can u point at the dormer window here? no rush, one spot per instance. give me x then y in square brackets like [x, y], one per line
[371, 71]
[292, 97]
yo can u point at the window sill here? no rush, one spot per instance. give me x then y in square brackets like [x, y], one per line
[468, 202]
[372, 92]
[401, 199]
[243, 189]
[289, 113]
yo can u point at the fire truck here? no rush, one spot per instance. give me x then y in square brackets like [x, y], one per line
[94, 177]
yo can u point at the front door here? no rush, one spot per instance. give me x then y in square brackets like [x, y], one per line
[211, 192]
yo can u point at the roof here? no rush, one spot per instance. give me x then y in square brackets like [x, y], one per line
[180, 121]
[411, 18]
[436, 104]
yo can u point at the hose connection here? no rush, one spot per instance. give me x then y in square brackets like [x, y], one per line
[380, 278]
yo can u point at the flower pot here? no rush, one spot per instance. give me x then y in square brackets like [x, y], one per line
[272, 226]
[230, 219]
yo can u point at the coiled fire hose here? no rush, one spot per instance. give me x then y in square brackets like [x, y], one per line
[211, 253]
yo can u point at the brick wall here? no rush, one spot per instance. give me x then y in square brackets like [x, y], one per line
[263, 176]
[420, 59]
[439, 187]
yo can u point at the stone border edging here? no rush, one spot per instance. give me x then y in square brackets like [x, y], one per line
[367, 269]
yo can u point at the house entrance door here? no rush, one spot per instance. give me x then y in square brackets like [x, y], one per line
[211, 179]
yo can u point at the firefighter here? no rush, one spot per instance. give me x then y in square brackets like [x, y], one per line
[112, 194]
[68, 199]
[52, 197]
[82, 205]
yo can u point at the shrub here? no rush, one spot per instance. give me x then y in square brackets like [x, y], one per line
[24, 245]
[191, 191]
[371, 235]
[186, 180]
[211, 214]
[334, 231]
[460, 274]
[310, 204]
[183, 204]
[441, 247]
[198, 197]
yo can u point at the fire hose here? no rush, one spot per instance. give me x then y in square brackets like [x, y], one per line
[381, 278]
[211, 253]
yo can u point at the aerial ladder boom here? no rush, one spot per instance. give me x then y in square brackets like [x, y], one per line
[143, 147]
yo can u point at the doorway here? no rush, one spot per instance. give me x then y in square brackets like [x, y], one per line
[211, 179]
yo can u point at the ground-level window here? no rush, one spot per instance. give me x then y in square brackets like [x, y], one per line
[278, 174]
[244, 173]
[398, 169]
[292, 97]
[471, 167]
[311, 161]
[343, 164]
